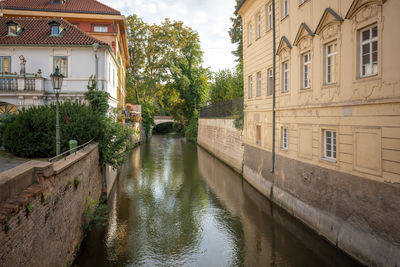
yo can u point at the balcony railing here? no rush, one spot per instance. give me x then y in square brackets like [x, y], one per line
[12, 82]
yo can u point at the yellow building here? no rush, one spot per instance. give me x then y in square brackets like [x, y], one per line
[337, 145]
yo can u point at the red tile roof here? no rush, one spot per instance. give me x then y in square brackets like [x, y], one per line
[74, 6]
[36, 31]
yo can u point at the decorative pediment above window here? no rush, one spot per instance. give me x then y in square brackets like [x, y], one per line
[329, 24]
[284, 47]
[369, 8]
[304, 37]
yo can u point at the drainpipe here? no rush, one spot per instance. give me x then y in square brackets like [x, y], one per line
[273, 87]
[95, 48]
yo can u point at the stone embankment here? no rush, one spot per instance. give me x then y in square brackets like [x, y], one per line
[41, 207]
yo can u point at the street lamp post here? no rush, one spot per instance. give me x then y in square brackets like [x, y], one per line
[56, 81]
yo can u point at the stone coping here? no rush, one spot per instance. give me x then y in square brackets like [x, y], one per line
[19, 184]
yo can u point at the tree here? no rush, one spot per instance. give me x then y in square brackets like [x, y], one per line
[236, 34]
[226, 85]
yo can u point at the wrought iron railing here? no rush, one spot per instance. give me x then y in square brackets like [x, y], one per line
[73, 150]
[226, 109]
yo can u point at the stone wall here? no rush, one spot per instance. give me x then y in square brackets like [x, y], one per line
[358, 215]
[41, 221]
[221, 138]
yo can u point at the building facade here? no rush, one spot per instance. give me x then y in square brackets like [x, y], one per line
[32, 48]
[94, 18]
[337, 137]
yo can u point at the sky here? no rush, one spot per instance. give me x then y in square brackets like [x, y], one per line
[210, 18]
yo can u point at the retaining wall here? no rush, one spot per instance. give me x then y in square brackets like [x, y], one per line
[41, 209]
[221, 138]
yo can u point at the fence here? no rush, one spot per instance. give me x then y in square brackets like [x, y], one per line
[224, 109]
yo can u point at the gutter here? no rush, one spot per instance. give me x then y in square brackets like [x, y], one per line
[273, 88]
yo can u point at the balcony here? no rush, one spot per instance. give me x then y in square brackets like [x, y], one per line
[14, 82]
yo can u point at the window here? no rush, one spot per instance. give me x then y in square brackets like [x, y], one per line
[55, 30]
[5, 64]
[270, 82]
[114, 77]
[258, 134]
[331, 63]
[306, 70]
[259, 26]
[259, 84]
[369, 51]
[62, 63]
[330, 145]
[269, 14]
[250, 34]
[12, 29]
[250, 86]
[285, 76]
[285, 8]
[285, 138]
[100, 29]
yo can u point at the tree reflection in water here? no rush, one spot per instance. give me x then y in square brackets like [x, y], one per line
[176, 205]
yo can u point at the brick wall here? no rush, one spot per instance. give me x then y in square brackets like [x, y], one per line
[42, 225]
[221, 138]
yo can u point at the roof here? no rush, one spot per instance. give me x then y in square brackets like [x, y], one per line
[73, 6]
[36, 31]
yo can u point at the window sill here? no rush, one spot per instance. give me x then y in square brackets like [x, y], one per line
[305, 90]
[368, 78]
[284, 149]
[269, 30]
[329, 160]
[284, 18]
[285, 92]
[330, 85]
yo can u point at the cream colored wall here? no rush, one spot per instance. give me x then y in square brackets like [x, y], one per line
[365, 112]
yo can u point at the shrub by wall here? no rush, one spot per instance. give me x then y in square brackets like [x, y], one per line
[33, 133]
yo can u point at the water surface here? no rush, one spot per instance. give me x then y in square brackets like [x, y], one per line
[176, 205]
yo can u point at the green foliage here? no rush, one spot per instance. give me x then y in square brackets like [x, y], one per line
[68, 185]
[98, 100]
[95, 214]
[239, 120]
[226, 85]
[28, 209]
[191, 128]
[236, 34]
[115, 143]
[148, 118]
[5, 120]
[77, 181]
[32, 133]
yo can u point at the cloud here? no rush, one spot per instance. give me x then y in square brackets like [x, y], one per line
[210, 18]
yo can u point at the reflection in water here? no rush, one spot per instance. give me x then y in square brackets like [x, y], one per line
[176, 205]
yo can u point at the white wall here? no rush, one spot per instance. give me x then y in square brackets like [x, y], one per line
[81, 65]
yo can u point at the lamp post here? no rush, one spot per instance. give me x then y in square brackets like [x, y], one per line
[56, 81]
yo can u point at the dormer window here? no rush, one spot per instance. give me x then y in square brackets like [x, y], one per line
[55, 28]
[13, 28]
[57, 2]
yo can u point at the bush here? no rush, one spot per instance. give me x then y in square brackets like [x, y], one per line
[33, 133]
[5, 120]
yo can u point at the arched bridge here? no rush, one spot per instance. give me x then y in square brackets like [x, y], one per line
[162, 119]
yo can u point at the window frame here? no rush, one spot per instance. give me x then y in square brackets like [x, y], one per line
[12, 26]
[332, 156]
[55, 27]
[100, 26]
[270, 81]
[259, 28]
[306, 70]
[284, 138]
[61, 69]
[370, 42]
[2, 64]
[334, 63]
[285, 76]
[269, 16]
[285, 8]
[259, 84]
[250, 34]
[250, 87]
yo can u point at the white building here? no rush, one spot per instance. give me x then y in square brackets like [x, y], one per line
[39, 45]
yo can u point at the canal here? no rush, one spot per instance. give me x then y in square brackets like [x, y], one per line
[176, 205]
